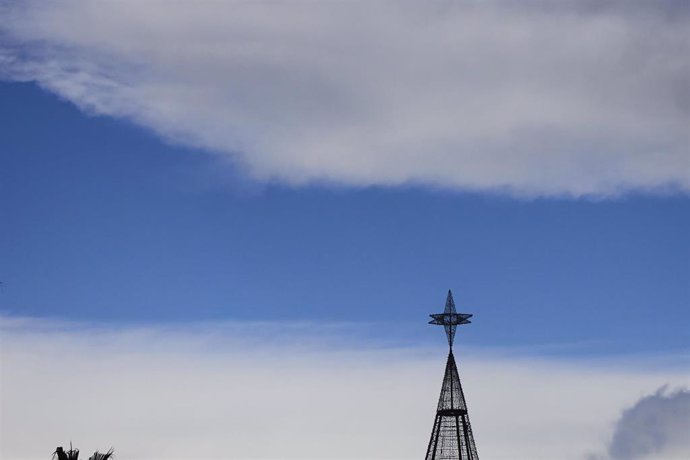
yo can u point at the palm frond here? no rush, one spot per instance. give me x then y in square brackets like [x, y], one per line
[106, 456]
[61, 454]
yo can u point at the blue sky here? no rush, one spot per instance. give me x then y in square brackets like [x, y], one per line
[107, 222]
[211, 211]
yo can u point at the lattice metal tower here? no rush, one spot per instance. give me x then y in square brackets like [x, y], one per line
[451, 437]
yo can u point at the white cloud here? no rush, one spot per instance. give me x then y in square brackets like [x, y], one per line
[248, 390]
[535, 99]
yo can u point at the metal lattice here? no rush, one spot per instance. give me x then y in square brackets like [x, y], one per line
[451, 437]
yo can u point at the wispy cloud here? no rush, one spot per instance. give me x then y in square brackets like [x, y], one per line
[573, 98]
[215, 391]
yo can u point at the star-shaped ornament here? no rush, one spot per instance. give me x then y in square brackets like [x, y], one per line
[450, 319]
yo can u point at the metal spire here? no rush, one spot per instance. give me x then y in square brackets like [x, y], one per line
[450, 319]
[451, 436]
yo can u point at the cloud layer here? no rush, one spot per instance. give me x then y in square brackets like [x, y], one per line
[537, 99]
[657, 426]
[244, 390]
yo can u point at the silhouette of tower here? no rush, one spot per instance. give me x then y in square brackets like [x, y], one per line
[451, 437]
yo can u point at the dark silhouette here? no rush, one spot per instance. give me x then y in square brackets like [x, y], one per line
[99, 456]
[73, 454]
[451, 437]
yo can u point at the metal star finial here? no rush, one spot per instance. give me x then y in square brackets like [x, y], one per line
[450, 319]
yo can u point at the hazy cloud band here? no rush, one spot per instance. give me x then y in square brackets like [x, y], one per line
[224, 391]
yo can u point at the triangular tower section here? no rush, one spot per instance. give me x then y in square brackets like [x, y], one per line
[451, 437]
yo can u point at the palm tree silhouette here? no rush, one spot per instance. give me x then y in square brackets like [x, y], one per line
[99, 456]
[73, 454]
